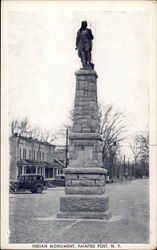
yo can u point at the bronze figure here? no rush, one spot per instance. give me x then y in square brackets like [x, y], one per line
[84, 45]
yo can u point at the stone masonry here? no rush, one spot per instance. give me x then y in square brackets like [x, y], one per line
[85, 177]
[86, 107]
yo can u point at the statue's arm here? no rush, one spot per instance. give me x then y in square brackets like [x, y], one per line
[91, 37]
[77, 39]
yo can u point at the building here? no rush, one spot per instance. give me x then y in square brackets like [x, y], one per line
[30, 156]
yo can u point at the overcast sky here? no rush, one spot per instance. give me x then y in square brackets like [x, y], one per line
[42, 59]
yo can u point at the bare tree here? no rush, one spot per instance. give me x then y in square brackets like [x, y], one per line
[143, 142]
[135, 151]
[140, 148]
[112, 129]
[47, 136]
[21, 127]
[24, 128]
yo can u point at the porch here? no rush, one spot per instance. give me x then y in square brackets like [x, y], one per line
[48, 170]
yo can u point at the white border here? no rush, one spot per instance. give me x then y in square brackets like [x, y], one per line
[81, 5]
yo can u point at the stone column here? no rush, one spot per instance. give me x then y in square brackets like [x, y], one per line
[85, 177]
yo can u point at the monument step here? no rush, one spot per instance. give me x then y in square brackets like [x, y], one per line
[84, 170]
[84, 190]
[85, 215]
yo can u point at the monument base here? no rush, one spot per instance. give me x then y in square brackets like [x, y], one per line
[84, 206]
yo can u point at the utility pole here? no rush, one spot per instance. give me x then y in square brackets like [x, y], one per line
[124, 165]
[66, 149]
[129, 169]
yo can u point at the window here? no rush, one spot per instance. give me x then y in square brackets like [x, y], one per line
[20, 170]
[39, 170]
[30, 170]
[33, 170]
[20, 154]
[43, 156]
[38, 156]
[24, 153]
[47, 156]
[59, 171]
[34, 155]
[30, 155]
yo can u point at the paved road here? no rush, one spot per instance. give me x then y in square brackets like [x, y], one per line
[32, 217]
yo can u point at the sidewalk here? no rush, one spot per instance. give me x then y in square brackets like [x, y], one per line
[32, 217]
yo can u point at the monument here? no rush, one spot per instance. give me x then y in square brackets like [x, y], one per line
[85, 178]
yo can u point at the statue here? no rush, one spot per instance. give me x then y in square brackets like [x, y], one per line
[84, 45]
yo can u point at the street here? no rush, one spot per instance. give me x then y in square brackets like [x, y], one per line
[33, 217]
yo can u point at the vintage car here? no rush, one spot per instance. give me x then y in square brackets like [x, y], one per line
[33, 182]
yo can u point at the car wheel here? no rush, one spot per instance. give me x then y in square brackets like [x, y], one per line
[38, 189]
[15, 188]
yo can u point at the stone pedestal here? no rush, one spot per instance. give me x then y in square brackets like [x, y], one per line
[85, 177]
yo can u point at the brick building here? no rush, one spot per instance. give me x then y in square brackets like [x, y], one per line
[32, 156]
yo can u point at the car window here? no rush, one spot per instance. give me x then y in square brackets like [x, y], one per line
[39, 177]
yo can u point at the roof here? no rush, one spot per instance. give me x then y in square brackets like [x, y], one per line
[30, 139]
[40, 164]
[59, 162]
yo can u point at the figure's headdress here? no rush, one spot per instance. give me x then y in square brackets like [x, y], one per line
[84, 23]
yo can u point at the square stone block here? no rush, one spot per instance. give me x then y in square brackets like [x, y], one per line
[68, 182]
[77, 128]
[92, 176]
[78, 111]
[86, 130]
[71, 176]
[79, 93]
[84, 190]
[85, 111]
[83, 121]
[100, 183]
[81, 77]
[78, 183]
[82, 84]
[84, 203]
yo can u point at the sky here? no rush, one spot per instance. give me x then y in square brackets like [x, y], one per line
[42, 59]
